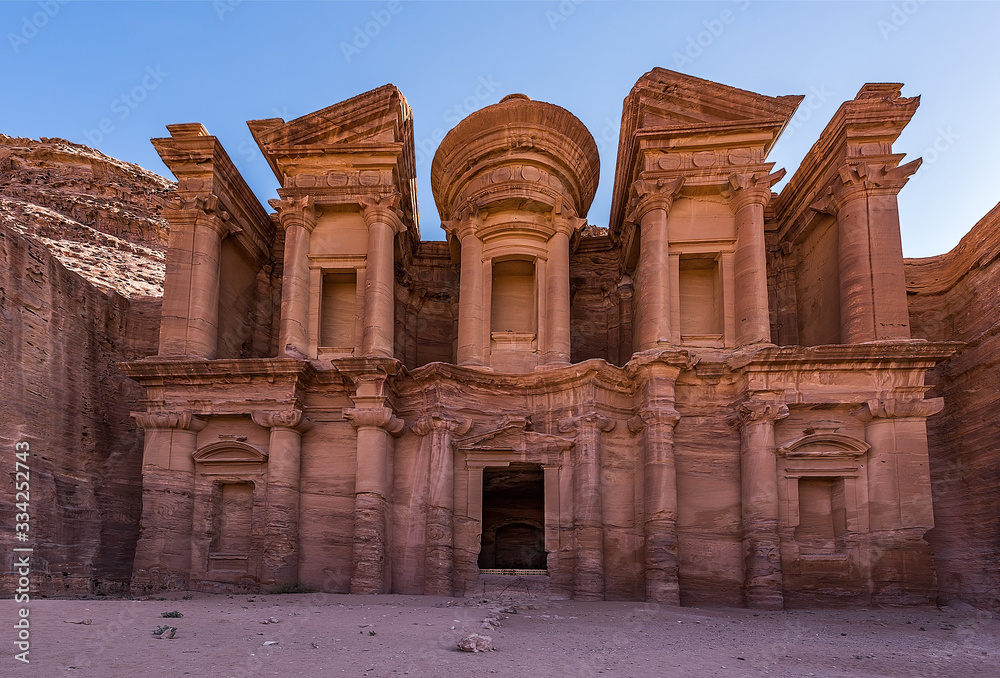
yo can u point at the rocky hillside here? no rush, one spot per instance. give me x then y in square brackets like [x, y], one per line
[100, 217]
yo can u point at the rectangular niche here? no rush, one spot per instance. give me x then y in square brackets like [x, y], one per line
[512, 307]
[338, 310]
[513, 527]
[822, 515]
[232, 526]
[700, 291]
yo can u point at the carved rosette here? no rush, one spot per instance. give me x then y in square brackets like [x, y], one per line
[750, 188]
[383, 209]
[296, 212]
[186, 420]
[757, 411]
[290, 419]
[375, 417]
[651, 194]
[441, 422]
[898, 408]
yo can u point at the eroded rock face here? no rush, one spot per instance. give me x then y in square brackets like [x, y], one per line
[99, 216]
[60, 339]
[953, 297]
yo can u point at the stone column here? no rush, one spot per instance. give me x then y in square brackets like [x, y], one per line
[748, 193]
[440, 537]
[557, 312]
[281, 557]
[190, 315]
[471, 314]
[762, 579]
[383, 222]
[652, 284]
[900, 506]
[375, 426]
[588, 509]
[163, 553]
[659, 502]
[872, 281]
[298, 219]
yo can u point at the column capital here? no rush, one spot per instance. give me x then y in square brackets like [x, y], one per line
[296, 212]
[291, 419]
[750, 188]
[201, 210]
[650, 416]
[437, 421]
[565, 220]
[651, 194]
[186, 420]
[890, 407]
[859, 178]
[598, 421]
[757, 411]
[375, 417]
[383, 209]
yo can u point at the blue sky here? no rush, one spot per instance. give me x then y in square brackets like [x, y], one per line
[69, 68]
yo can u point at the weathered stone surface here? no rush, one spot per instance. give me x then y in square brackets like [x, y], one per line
[99, 216]
[60, 340]
[954, 296]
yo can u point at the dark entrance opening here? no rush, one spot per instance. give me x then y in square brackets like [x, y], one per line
[513, 518]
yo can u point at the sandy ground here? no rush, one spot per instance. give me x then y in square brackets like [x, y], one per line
[390, 636]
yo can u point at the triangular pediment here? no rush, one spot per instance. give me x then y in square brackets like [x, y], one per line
[666, 99]
[514, 437]
[379, 117]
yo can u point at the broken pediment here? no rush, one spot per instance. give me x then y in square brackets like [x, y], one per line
[379, 121]
[663, 99]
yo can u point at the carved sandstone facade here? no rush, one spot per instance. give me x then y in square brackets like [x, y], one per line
[718, 400]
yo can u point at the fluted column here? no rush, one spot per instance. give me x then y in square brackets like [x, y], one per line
[762, 579]
[439, 550]
[588, 507]
[375, 426]
[281, 557]
[659, 502]
[163, 553]
[900, 505]
[748, 194]
[383, 222]
[872, 280]
[652, 283]
[298, 219]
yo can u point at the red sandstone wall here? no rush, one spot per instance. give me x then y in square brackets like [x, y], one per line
[60, 338]
[956, 297]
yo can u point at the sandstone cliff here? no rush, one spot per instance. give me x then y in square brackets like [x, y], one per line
[66, 208]
[955, 297]
[99, 216]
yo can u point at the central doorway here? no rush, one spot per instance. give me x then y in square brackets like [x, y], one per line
[513, 518]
